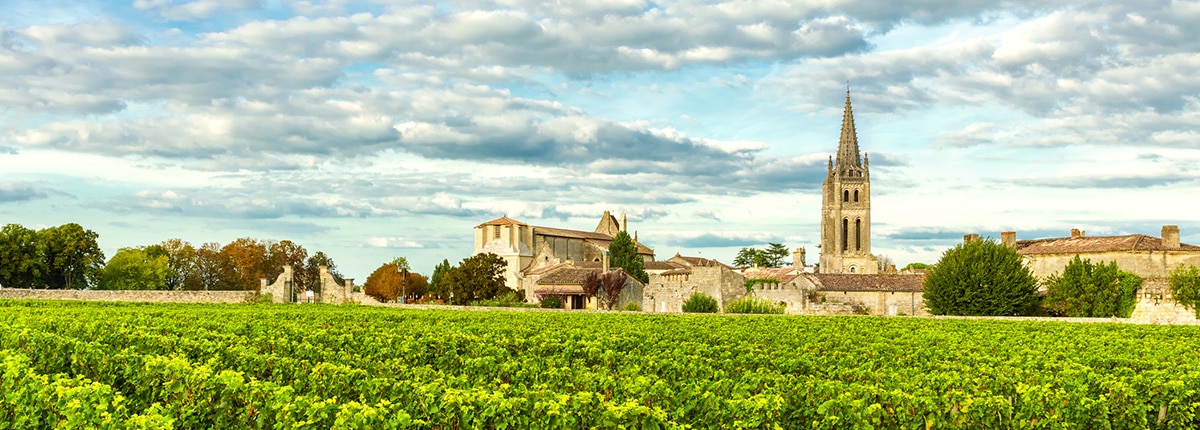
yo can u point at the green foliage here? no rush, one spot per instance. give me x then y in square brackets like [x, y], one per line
[552, 302]
[312, 271]
[700, 303]
[623, 253]
[401, 263]
[751, 282]
[21, 263]
[435, 280]
[633, 307]
[753, 305]
[1091, 290]
[135, 269]
[1184, 283]
[917, 266]
[480, 277]
[507, 299]
[72, 256]
[776, 255]
[101, 365]
[980, 277]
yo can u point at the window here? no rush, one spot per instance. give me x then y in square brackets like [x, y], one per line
[858, 234]
[852, 269]
[496, 232]
[846, 196]
[845, 228]
[855, 196]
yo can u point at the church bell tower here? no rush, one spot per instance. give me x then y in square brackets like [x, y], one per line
[846, 207]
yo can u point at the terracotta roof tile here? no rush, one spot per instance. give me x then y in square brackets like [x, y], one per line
[567, 276]
[1086, 244]
[783, 274]
[858, 282]
[502, 221]
[661, 265]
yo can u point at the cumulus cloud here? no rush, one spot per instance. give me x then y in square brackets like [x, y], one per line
[21, 192]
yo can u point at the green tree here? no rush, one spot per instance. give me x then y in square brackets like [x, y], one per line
[917, 266]
[752, 257]
[21, 263]
[623, 253]
[435, 280]
[1091, 290]
[136, 269]
[285, 253]
[72, 256]
[1184, 283]
[401, 263]
[776, 254]
[312, 271]
[980, 277]
[213, 270]
[182, 259]
[480, 277]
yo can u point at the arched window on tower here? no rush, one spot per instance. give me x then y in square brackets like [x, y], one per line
[858, 234]
[856, 196]
[846, 196]
[845, 229]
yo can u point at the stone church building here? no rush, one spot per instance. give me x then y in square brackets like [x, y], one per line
[846, 206]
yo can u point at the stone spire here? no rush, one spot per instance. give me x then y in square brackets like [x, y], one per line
[848, 144]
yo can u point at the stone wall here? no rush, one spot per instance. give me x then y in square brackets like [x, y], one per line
[154, 296]
[666, 293]
[880, 302]
[1156, 306]
[796, 300]
[1147, 264]
[282, 289]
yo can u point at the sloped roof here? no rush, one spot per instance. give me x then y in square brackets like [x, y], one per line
[1087, 244]
[662, 265]
[599, 239]
[567, 276]
[860, 282]
[502, 221]
[783, 274]
[700, 261]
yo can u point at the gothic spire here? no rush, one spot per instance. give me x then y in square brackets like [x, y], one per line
[848, 144]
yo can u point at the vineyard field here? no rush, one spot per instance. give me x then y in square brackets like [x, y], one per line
[127, 365]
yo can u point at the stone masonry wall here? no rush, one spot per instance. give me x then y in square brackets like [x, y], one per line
[1147, 264]
[667, 293]
[131, 295]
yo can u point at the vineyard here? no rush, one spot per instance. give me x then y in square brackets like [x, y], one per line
[70, 364]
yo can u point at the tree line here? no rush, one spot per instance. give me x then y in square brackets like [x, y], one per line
[68, 257]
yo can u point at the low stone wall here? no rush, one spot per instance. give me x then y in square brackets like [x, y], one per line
[130, 295]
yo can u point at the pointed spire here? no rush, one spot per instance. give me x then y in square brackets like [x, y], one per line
[848, 154]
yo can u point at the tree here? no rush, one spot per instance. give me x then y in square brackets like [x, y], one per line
[613, 281]
[21, 263]
[591, 284]
[285, 253]
[72, 257]
[136, 269]
[751, 257]
[980, 277]
[435, 280]
[388, 282]
[885, 262]
[917, 266]
[1184, 283]
[401, 263]
[1091, 290]
[213, 269]
[480, 277]
[247, 262]
[776, 254]
[182, 259]
[623, 253]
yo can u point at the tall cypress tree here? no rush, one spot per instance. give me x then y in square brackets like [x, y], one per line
[622, 252]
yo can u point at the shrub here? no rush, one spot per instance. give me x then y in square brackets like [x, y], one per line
[980, 277]
[1092, 290]
[1185, 287]
[552, 302]
[700, 303]
[508, 299]
[753, 305]
[633, 307]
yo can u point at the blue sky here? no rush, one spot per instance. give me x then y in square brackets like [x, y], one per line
[371, 130]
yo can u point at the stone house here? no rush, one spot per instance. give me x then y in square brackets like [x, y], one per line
[527, 248]
[566, 281]
[840, 293]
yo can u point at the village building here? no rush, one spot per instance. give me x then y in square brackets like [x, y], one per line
[674, 280]
[534, 253]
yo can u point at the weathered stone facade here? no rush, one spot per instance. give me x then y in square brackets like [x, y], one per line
[846, 207]
[669, 289]
[153, 296]
[528, 248]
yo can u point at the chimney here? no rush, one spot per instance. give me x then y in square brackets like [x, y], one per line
[604, 261]
[1008, 238]
[1170, 236]
[968, 238]
[623, 224]
[1075, 233]
[798, 258]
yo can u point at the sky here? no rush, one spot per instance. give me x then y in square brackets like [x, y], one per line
[371, 130]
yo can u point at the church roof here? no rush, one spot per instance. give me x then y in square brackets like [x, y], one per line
[599, 239]
[860, 282]
[662, 265]
[504, 220]
[783, 274]
[1089, 244]
[848, 154]
[699, 261]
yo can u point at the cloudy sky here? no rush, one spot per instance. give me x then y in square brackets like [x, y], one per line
[378, 129]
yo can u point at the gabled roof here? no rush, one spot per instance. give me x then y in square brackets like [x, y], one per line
[663, 265]
[502, 221]
[859, 282]
[783, 274]
[599, 239]
[1087, 244]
